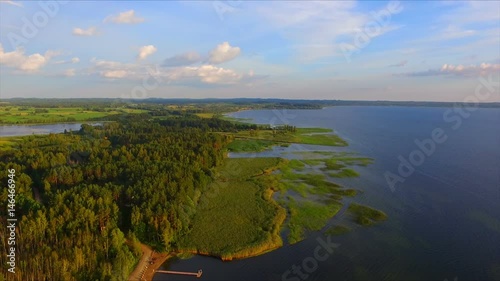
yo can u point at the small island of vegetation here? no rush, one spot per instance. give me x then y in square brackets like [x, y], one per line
[366, 215]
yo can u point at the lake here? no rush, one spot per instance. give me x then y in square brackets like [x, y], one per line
[24, 130]
[444, 218]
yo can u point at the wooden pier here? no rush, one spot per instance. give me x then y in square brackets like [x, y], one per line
[197, 274]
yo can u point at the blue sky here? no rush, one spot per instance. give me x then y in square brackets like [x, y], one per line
[380, 50]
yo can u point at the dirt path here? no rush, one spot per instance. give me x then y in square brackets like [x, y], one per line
[157, 259]
[138, 272]
[36, 194]
[149, 262]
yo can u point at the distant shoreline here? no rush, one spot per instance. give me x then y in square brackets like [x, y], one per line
[282, 103]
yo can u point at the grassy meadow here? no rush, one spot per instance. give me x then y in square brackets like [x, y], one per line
[32, 115]
[236, 217]
[8, 142]
[14, 141]
[239, 145]
[205, 115]
[314, 136]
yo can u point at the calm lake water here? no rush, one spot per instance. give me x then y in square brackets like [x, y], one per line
[25, 130]
[444, 219]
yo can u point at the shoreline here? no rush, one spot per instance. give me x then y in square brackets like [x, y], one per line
[149, 262]
[56, 123]
[32, 126]
[158, 259]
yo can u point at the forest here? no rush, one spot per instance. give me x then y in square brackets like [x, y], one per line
[87, 198]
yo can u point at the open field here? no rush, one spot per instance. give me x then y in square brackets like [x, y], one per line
[239, 145]
[8, 142]
[205, 115]
[237, 218]
[11, 142]
[315, 136]
[32, 115]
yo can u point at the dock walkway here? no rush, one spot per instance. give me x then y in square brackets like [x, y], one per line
[197, 274]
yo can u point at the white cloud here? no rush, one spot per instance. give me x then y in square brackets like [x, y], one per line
[73, 60]
[459, 70]
[127, 17]
[146, 51]
[114, 73]
[471, 70]
[69, 72]
[182, 59]
[319, 29]
[223, 52]
[206, 73]
[91, 31]
[112, 69]
[12, 3]
[25, 63]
